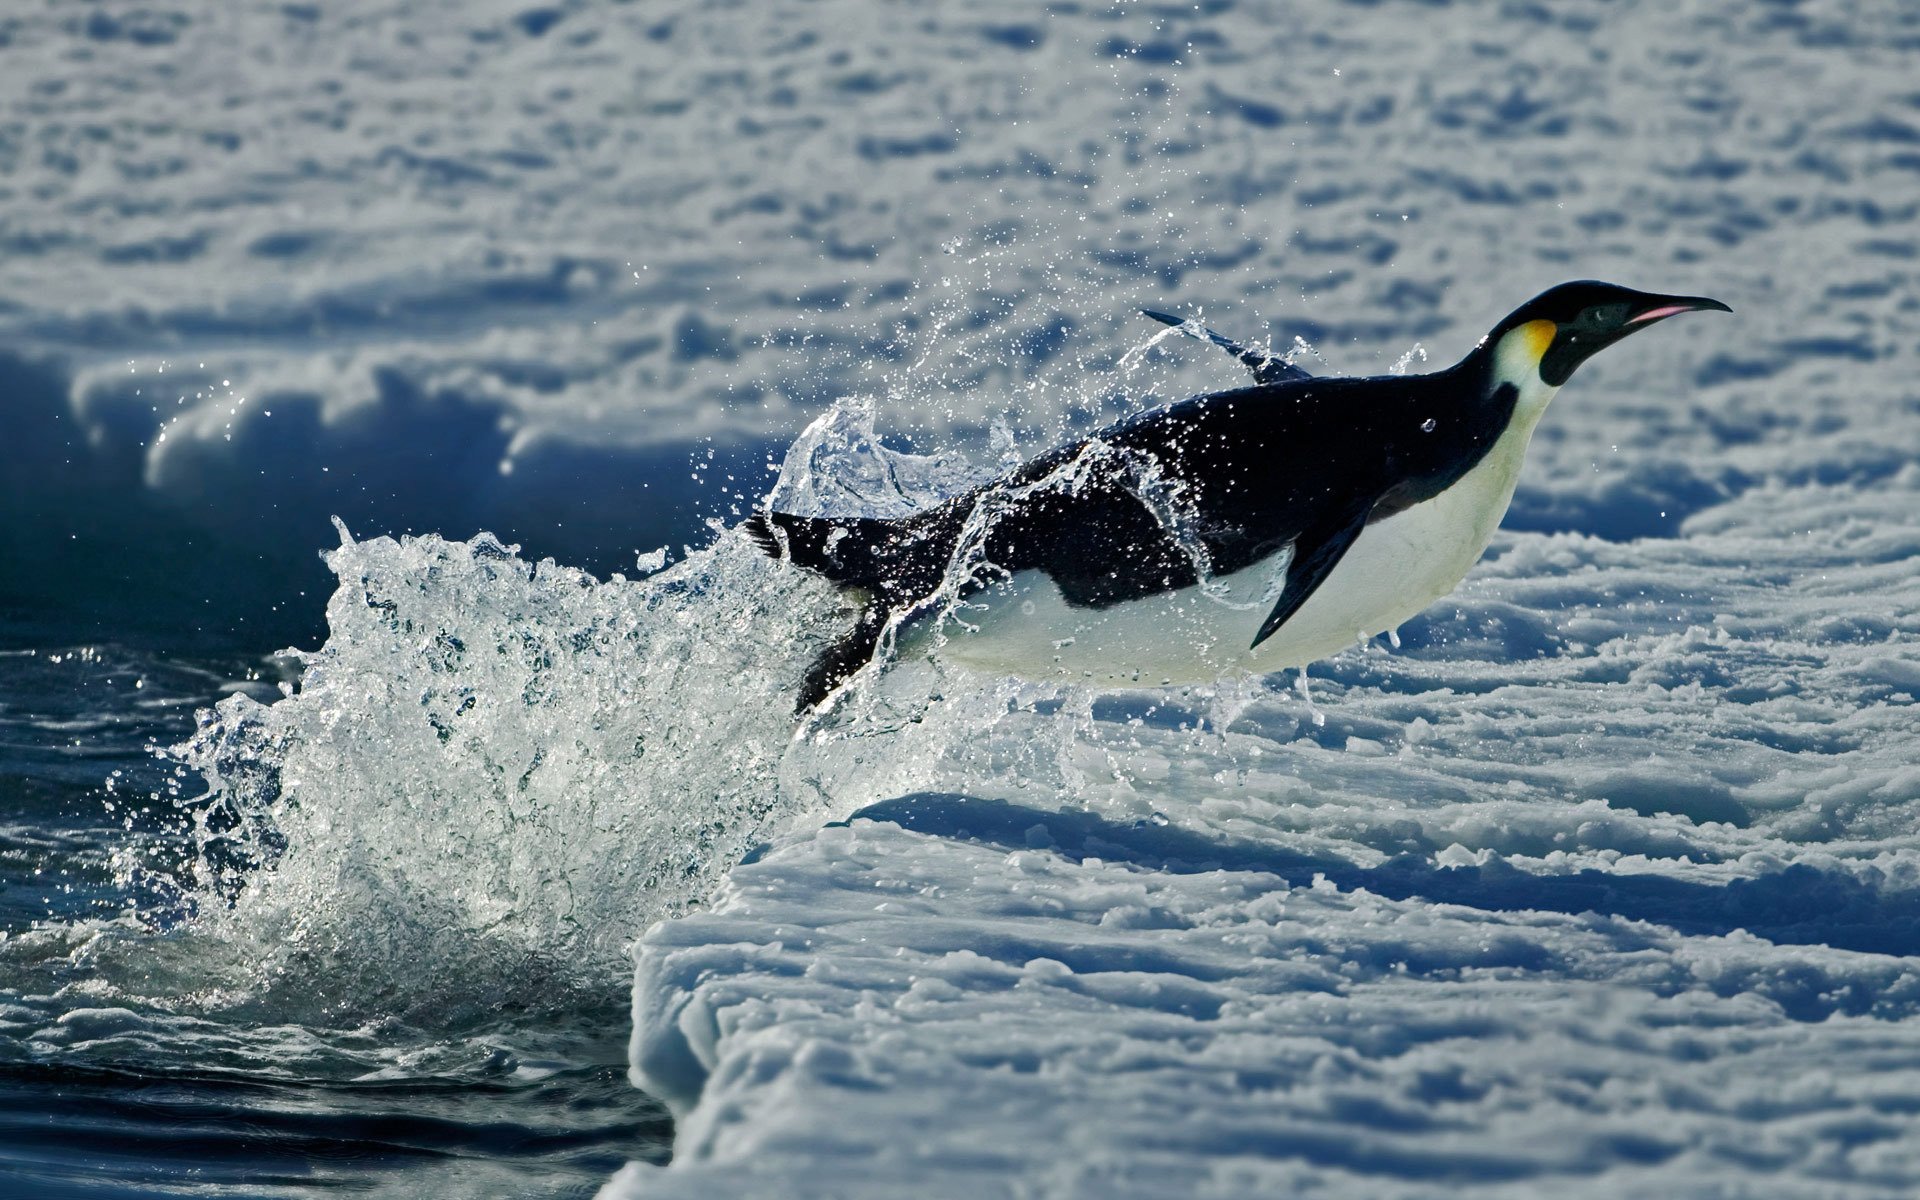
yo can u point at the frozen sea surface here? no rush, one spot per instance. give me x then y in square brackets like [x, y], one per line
[1630, 916]
[1604, 882]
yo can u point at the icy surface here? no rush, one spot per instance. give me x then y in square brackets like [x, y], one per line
[1595, 886]
[1097, 1015]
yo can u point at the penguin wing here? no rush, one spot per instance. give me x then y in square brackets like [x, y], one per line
[1316, 552]
[1266, 368]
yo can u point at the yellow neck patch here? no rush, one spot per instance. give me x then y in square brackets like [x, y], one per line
[1516, 360]
[1517, 357]
[1535, 337]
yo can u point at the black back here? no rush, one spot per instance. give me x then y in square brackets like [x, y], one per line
[1208, 486]
[1232, 475]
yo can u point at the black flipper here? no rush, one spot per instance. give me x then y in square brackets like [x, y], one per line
[1315, 553]
[1266, 368]
[838, 662]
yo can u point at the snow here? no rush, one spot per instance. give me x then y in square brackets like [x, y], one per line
[903, 1009]
[1596, 887]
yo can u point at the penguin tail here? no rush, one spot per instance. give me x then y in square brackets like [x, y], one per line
[759, 530]
[848, 551]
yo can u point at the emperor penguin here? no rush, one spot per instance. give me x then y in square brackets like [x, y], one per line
[1248, 530]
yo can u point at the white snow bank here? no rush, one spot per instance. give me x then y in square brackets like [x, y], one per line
[941, 1017]
[1607, 883]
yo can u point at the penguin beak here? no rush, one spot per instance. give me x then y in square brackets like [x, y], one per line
[1661, 307]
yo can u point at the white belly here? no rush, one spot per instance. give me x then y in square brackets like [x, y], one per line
[1393, 571]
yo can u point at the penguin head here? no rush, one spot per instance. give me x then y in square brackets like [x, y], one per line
[1564, 326]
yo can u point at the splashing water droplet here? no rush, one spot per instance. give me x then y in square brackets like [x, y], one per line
[1306, 697]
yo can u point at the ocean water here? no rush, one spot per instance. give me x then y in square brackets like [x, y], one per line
[399, 791]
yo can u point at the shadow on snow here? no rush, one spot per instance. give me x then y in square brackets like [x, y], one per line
[1800, 905]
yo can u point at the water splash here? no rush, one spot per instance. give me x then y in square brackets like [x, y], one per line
[1405, 362]
[497, 769]
[497, 773]
[838, 467]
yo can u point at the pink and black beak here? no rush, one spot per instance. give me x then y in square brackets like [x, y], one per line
[1659, 308]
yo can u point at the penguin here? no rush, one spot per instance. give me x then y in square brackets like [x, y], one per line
[1253, 529]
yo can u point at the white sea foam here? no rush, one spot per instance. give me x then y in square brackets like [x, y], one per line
[501, 769]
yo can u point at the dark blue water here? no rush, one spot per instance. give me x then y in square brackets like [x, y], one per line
[135, 1131]
[132, 1065]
